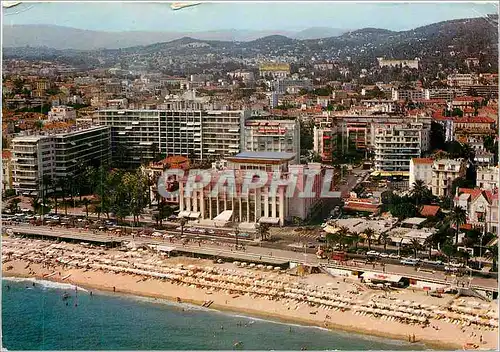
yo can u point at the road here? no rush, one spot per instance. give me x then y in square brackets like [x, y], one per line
[306, 258]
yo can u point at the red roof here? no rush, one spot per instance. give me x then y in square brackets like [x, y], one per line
[429, 210]
[466, 227]
[475, 119]
[471, 99]
[422, 160]
[474, 192]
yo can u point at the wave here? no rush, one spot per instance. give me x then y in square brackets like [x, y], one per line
[45, 283]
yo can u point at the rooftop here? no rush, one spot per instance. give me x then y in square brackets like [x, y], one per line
[272, 156]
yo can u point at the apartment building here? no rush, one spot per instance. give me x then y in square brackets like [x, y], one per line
[274, 69]
[462, 79]
[180, 130]
[33, 157]
[444, 172]
[272, 136]
[325, 141]
[487, 177]
[62, 113]
[259, 205]
[56, 156]
[407, 94]
[84, 146]
[421, 169]
[394, 62]
[444, 93]
[395, 145]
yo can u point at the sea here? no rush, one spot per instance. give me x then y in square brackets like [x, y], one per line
[43, 315]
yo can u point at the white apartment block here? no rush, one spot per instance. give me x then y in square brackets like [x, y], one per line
[407, 94]
[487, 178]
[272, 136]
[462, 79]
[444, 172]
[62, 113]
[177, 131]
[395, 145]
[393, 63]
[421, 169]
[56, 156]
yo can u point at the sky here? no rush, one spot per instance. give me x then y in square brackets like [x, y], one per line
[158, 17]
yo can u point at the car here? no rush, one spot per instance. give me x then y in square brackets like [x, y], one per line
[311, 245]
[409, 261]
[321, 239]
[384, 255]
[394, 256]
[372, 253]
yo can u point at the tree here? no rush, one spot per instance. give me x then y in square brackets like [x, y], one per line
[458, 217]
[183, 222]
[415, 244]
[36, 204]
[384, 237]
[343, 233]
[356, 237]
[263, 231]
[420, 193]
[14, 205]
[403, 210]
[369, 233]
[86, 203]
[332, 239]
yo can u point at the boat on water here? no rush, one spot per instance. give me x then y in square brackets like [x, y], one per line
[9, 4]
[66, 296]
[181, 5]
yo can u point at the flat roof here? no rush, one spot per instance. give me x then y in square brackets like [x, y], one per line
[414, 221]
[241, 256]
[264, 156]
[67, 236]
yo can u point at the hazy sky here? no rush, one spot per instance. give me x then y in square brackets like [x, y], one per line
[252, 16]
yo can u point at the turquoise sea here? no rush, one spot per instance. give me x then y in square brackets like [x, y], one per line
[38, 318]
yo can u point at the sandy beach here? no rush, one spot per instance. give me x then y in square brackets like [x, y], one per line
[357, 308]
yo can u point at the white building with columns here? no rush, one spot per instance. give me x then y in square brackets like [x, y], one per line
[218, 202]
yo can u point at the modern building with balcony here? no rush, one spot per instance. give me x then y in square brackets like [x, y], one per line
[196, 133]
[56, 156]
[395, 145]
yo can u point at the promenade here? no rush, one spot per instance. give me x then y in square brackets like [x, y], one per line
[261, 254]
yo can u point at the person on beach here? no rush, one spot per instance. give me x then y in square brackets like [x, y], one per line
[114, 289]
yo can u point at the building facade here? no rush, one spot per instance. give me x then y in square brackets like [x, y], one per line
[487, 178]
[182, 130]
[44, 157]
[272, 136]
[421, 169]
[395, 145]
[258, 205]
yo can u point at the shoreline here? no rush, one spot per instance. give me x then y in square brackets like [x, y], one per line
[223, 308]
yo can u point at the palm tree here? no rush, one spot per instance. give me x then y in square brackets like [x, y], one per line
[14, 205]
[86, 203]
[429, 243]
[264, 231]
[35, 204]
[332, 239]
[458, 217]
[415, 244]
[55, 183]
[343, 233]
[369, 233]
[384, 237]
[419, 192]
[183, 222]
[356, 237]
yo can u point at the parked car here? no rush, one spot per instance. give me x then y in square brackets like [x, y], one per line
[384, 255]
[394, 256]
[372, 253]
[311, 245]
[409, 261]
